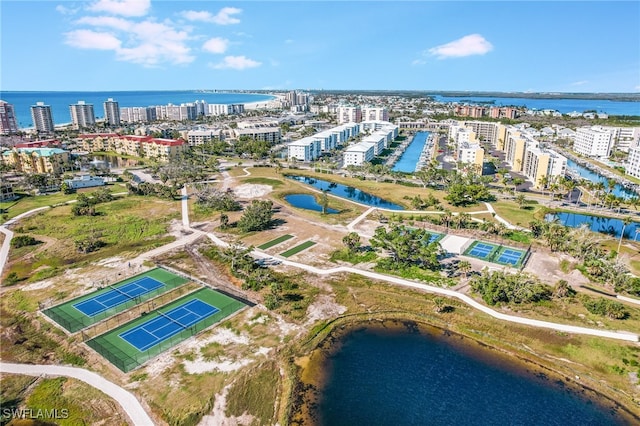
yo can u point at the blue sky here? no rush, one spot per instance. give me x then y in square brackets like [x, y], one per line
[97, 45]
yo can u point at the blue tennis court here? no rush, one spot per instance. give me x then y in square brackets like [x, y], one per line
[510, 256]
[433, 237]
[117, 295]
[167, 324]
[481, 250]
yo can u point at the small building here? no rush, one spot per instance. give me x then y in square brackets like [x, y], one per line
[84, 181]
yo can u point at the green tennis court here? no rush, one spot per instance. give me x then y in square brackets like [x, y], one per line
[275, 242]
[134, 343]
[297, 249]
[83, 311]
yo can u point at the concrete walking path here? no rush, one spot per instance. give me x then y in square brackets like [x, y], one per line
[130, 405]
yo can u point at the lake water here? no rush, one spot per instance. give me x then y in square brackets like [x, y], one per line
[561, 105]
[60, 101]
[308, 202]
[583, 172]
[409, 159]
[603, 225]
[347, 192]
[410, 377]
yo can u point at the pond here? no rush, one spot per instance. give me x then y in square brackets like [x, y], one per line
[389, 376]
[307, 202]
[347, 192]
[604, 225]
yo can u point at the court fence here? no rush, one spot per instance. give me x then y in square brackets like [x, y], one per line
[127, 360]
[73, 322]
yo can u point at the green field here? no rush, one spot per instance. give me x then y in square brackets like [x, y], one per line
[127, 357]
[297, 249]
[274, 242]
[74, 320]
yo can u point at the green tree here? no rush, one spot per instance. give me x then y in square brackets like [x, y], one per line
[406, 247]
[351, 241]
[625, 221]
[257, 216]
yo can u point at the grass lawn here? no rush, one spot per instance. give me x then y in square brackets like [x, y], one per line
[127, 225]
[515, 215]
[297, 249]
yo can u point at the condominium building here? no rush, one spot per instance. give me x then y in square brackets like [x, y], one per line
[633, 162]
[138, 146]
[201, 136]
[514, 148]
[176, 112]
[306, 149]
[8, 124]
[624, 138]
[138, 114]
[370, 113]
[470, 153]
[225, 109]
[542, 163]
[269, 134]
[82, 115]
[494, 133]
[349, 114]
[595, 141]
[36, 160]
[111, 112]
[42, 117]
[358, 154]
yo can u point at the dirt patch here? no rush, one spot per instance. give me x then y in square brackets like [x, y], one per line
[248, 190]
[218, 416]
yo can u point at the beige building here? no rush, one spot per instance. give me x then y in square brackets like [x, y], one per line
[540, 163]
[36, 160]
[137, 146]
[514, 148]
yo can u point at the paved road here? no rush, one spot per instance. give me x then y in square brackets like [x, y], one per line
[127, 401]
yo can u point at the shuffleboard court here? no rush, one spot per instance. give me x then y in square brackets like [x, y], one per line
[117, 295]
[168, 323]
[130, 345]
[297, 249]
[84, 311]
[275, 242]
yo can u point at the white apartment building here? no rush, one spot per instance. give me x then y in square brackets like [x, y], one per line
[370, 113]
[378, 140]
[470, 153]
[82, 115]
[268, 134]
[633, 162]
[8, 122]
[305, 149]
[625, 138]
[138, 114]
[358, 154]
[201, 136]
[349, 114]
[328, 140]
[111, 112]
[225, 109]
[594, 141]
[540, 163]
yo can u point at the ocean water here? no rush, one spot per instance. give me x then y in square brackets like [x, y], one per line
[392, 377]
[562, 105]
[60, 101]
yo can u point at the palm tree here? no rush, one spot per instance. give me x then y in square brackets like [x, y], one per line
[625, 221]
[464, 266]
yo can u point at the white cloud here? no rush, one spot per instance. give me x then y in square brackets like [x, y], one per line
[87, 39]
[216, 45]
[418, 62]
[223, 17]
[122, 7]
[637, 87]
[147, 43]
[473, 44]
[236, 63]
[64, 10]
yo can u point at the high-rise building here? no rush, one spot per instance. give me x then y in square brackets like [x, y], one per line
[370, 113]
[42, 118]
[8, 123]
[111, 112]
[82, 115]
[633, 162]
[349, 114]
[595, 141]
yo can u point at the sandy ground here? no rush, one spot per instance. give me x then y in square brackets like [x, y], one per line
[248, 190]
